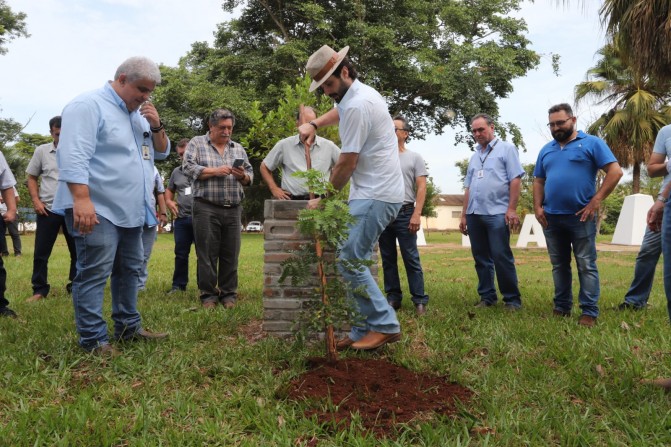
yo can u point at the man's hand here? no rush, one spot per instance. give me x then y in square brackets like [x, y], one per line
[462, 225]
[39, 207]
[238, 173]
[314, 203]
[172, 206]
[163, 219]
[84, 216]
[655, 215]
[280, 194]
[590, 210]
[10, 216]
[539, 212]
[306, 133]
[415, 222]
[148, 110]
[512, 220]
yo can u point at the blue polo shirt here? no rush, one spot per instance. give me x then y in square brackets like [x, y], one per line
[488, 178]
[570, 173]
[101, 146]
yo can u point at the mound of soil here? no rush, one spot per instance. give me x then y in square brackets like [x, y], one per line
[382, 393]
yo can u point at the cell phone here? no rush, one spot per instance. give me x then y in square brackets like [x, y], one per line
[238, 162]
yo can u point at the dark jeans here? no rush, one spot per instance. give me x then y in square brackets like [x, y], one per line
[183, 232]
[407, 243]
[216, 232]
[644, 271]
[563, 233]
[490, 246]
[47, 231]
[3, 274]
[13, 229]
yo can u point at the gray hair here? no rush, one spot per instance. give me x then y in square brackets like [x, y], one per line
[221, 114]
[485, 117]
[139, 67]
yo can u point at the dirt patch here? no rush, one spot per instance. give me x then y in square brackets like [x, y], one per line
[383, 394]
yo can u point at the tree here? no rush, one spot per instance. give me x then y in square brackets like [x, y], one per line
[12, 26]
[638, 109]
[437, 62]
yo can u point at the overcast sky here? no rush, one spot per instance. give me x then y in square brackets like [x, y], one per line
[76, 45]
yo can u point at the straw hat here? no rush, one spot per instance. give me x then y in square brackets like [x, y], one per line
[323, 63]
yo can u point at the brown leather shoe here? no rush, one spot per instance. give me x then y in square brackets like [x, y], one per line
[35, 298]
[229, 304]
[106, 350]
[587, 321]
[143, 334]
[374, 340]
[420, 309]
[209, 305]
[344, 343]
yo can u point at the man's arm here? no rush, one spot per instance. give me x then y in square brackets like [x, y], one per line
[416, 218]
[343, 170]
[33, 189]
[307, 132]
[511, 217]
[657, 165]
[162, 213]
[83, 210]
[539, 196]
[613, 175]
[170, 202]
[462, 222]
[275, 190]
[10, 201]
[656, 211]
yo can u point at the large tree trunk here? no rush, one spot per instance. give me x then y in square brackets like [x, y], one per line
[636, 179]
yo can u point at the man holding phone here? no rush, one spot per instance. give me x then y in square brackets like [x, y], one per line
[219, 168]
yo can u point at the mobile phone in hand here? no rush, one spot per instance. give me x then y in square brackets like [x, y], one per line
[238, 162]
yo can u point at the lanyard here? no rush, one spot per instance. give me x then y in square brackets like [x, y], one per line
[483, 160]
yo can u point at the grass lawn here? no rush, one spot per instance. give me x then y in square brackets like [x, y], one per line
[538, 380]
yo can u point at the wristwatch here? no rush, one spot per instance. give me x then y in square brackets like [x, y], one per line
[662, 199]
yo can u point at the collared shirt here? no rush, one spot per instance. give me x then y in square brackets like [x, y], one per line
[412, 166]
[366, 128]
[570, 173]
[488, 178]
[44, 165]
[663, 146]
[289, 154]
[101, 146]
[181, 186]
[7, 179]
[201, 154]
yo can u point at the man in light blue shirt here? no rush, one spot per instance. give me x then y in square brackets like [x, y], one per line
[492, 189]
[109, 140]
[370, 159]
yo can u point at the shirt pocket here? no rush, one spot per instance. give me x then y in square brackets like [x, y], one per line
[578, 157]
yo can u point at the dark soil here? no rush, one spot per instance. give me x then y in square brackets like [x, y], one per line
[383, 394]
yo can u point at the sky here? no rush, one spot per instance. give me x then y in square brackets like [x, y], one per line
[76, 46]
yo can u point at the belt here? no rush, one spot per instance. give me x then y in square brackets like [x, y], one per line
[406, 207]
[304, 197]
[221, 205]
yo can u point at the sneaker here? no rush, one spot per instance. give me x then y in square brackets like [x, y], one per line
[7, 312]
[587, 321]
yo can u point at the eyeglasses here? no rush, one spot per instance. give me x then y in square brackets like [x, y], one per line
[559, 123]
[479, 130]
[397, 129]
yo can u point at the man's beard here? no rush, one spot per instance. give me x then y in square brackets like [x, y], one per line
[562, 136]
[338, 96]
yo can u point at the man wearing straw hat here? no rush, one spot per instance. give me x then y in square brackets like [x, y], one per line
[370, 159]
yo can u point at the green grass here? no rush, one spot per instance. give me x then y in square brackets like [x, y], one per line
[538, 380]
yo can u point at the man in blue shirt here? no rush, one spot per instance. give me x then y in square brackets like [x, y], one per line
[566, 203]
[492, 189]
[109, 140]
[369, 157]
[7, 182]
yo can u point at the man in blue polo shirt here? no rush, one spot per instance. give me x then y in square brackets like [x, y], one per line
[108, 143]
[492, 189]
[566, 204]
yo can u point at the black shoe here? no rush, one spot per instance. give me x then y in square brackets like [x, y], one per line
[7, 312]
[396, 305]
[629, 306]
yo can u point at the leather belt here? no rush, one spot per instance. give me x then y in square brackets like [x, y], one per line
[406, 207]
[224, 205]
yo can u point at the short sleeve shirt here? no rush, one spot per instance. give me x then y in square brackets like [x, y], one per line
[412, 166]
[663, 146]
[44, 165]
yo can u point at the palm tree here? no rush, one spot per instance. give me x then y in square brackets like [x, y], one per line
[637, 108]
[642, 29]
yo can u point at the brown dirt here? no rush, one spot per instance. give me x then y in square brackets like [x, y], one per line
[383, 394]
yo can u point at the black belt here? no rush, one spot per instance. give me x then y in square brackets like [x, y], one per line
[406, 207]
[304, 197]
[221, 205]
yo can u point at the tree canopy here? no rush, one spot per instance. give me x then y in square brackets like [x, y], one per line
[12, 25]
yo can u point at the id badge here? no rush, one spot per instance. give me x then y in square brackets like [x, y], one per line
[187, 191]
[481, 173]
[145, 152]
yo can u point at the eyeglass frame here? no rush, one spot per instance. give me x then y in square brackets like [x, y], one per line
[559, 123]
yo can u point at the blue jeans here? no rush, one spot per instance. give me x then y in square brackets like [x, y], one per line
[490, 246]
[644, 271]
[48, 228]
[666, 251]
[149, 235]
[371, 218]
[108, 251]
[563, 232]
[407, 243]
[3, 274]
[183, 232]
